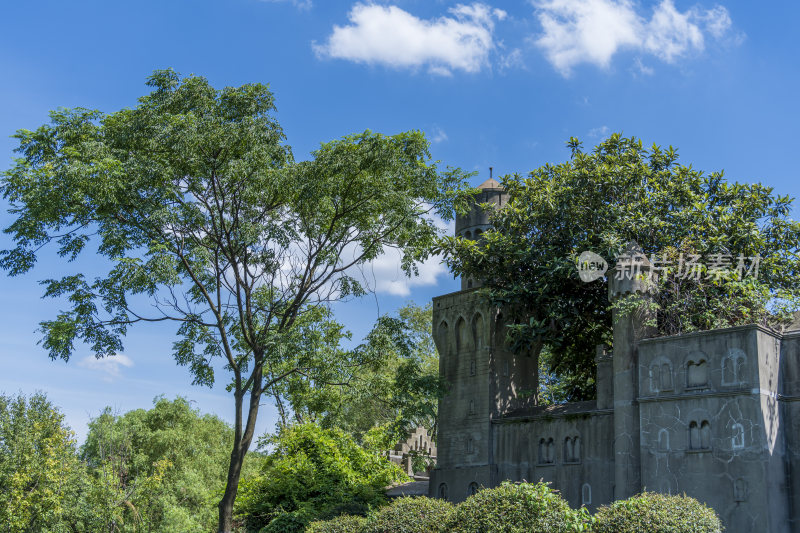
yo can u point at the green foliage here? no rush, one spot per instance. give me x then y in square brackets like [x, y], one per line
[657, 513]
[159, 469]
[341, 524]
[518, 508]
[41, 477]
[313, 473]
[396, 387]
[411, 515]
[602, 200]
[206, 221]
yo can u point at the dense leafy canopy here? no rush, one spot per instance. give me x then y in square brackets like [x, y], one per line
[313, 473]
[207, 221]
[601, 201]
[40, 475]
[165, 466]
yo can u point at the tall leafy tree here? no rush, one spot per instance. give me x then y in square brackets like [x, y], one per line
[601, 201]
[161, 467]
[208, 222]
[40, 474]
[396, 386]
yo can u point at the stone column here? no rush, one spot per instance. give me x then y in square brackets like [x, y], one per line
[629, 327]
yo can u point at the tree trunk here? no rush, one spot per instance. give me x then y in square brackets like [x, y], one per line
[241, 443]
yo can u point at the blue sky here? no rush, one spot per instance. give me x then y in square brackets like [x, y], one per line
[500, 84]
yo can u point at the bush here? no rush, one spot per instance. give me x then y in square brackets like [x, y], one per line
[341, 524]
[523, 507]
[657, 513]
[313, 474]
[411, 515]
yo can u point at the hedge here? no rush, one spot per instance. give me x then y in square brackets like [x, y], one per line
[657, 513]
[411, 515]
[522, 507]
[341, 524]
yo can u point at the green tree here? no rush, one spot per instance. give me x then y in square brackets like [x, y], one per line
[604, 199]
[40, 474]
[311, 474]
[161, 468]
[397, 386]
[209, 222]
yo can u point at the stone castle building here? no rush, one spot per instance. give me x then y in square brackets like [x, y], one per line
[714, 414]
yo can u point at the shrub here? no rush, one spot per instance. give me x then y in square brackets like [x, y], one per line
[313, 474]
[657, 513]
[523, 507]
[285, 523]
[411, 515]
[341, 524]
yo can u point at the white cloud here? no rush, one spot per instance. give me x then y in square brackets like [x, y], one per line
[110, 367]
[437, 135]
[592, 31]
[303, 5]
[513, 59]
[388, 35]
[602, 131]
[384, 275]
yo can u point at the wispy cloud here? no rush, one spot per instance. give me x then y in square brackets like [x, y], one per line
[437, 135]
[303, 5]
[390, 36]
[593, 31]
[598, 132]
[109, 367]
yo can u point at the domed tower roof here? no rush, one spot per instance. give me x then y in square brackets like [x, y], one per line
[491, 183]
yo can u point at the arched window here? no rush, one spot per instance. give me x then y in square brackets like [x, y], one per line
[737, 440]
[734, 367]
[696, 374]
[472, 407]
[551, 451]
[472, 366]
[477, 331]
[542, 451]
[443, 491]
[472, 489]
[470, 445]
[694, 435]
[666, 377]
[705, 435]
[462, 336]
[655, 378]
[663, 440]
[468, 235]
[586, 494]
[728, 371]
[572, 450]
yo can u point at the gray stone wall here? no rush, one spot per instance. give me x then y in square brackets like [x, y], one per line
[710, 424]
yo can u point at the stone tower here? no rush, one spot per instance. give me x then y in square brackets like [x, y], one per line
[485, 378]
